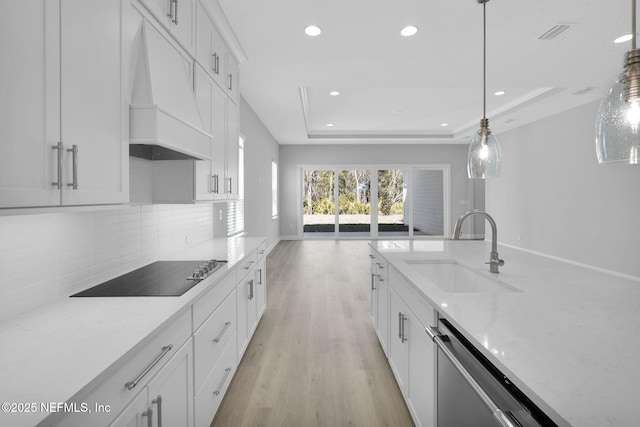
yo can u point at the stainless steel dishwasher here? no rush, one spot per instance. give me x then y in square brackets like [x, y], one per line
[472, 392]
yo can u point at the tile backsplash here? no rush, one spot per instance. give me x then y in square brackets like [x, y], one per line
[46, 257]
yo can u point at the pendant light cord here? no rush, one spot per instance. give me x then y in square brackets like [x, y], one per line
[484, 58]
[633, 25]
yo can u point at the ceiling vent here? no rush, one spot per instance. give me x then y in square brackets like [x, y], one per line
[555, 31]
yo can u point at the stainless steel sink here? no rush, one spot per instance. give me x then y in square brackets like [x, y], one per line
[453, 277]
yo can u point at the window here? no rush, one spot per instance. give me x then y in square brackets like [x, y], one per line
[274, 189]
[235, 208]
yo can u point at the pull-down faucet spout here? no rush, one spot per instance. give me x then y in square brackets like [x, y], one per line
[494, 261]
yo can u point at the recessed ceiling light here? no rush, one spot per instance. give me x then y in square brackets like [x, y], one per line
[444, 124]
[499, 93]
[623, 39]
[330, 125]
[334, 93]
[312, 30]
[409, 31]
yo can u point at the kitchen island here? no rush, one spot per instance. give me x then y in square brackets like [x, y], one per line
[566, 335]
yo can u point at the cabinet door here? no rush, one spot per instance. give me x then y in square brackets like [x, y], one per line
[374, 296]
[203, 86]
[211, 51]
[30, 108]
[171, 390]
[182, 24]
[219, 149]
[241, 319]
[252, 306]
[233, 79]
[382, 293]
[233, 146]
[94, 117]
[136, 414]
[398, 348]
[261, 288]
[421, 373]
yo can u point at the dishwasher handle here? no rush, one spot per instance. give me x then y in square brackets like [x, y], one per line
[504, 418]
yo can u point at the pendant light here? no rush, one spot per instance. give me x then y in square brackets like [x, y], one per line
[618, 120]
[484, 158]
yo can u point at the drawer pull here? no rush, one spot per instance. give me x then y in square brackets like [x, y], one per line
[149, 414]
[249, 265]
[224, 331]
[224, 380]
[130, 385]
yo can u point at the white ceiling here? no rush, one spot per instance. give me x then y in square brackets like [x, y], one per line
[398, 89]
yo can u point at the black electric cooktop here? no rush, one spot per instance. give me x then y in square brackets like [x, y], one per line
[161, 278]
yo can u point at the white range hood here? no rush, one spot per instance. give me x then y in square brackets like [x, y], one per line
[163, 112]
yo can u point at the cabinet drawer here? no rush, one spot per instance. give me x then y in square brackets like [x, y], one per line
[208, 399]
[245, 266]
[415, 301]
[118, 389]
[208, 303]
[212, 338]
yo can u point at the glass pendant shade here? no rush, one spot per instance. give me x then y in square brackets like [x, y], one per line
[485, 157]
[618, 128]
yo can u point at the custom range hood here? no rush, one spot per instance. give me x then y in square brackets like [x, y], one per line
[164, 122]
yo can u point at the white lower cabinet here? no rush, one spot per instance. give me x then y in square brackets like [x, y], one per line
[209, 397]
[411, 352]
[380, 298]
[166, 400]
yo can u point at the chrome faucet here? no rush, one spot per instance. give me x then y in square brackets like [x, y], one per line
[494, 261]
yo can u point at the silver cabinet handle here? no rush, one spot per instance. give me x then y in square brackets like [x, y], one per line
[158, 401]
[230, 186]
[230, 81]
[130, 385]
[373, 280]
[74, 151]
[249, 265]
[215, 183]
[224, 380]
[400, 325]
[250, 283]
[259, 276]
[380, 266]
[173, 11]
[216, 63]
[149, 414]
[60, 148]
[221, 334]
[403, 337]
[502, 417]
[175, 17]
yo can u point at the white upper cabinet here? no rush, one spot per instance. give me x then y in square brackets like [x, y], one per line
[64, 122]
[214, 56]
[178, 17]
[94, 102]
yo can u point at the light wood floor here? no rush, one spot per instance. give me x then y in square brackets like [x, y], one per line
[315, 359]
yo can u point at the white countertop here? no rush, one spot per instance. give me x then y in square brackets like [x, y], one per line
[570, 339]
[59, 351]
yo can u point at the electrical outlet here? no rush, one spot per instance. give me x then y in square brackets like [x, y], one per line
[187, 239]
[219, 214]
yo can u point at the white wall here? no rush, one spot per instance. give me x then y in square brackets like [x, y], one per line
[260, 149]
[292, 156]
[554, 197]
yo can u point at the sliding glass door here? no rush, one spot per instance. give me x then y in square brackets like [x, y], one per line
[374, 202]
[354, 202]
